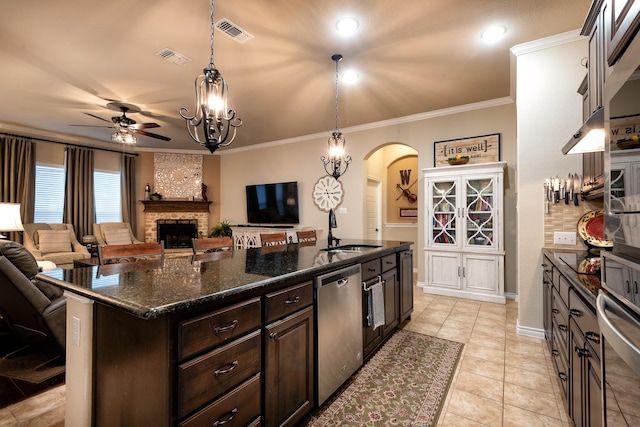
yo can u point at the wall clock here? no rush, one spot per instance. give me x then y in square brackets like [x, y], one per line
[327, 193]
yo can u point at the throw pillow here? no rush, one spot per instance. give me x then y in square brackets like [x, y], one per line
[117, 237]
[54, 241]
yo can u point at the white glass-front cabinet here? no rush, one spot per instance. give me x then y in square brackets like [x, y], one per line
[464, 244]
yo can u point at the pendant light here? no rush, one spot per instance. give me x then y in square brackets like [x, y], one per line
[333, 164]
[213, 124]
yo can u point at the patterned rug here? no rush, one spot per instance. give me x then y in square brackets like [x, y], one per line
[404, 384]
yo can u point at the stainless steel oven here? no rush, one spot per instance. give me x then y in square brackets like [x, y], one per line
[618, 310]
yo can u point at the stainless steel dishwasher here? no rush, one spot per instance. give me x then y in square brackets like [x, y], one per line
[339, 322]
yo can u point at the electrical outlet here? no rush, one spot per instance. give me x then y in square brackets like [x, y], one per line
[564, 238]
[75, 333]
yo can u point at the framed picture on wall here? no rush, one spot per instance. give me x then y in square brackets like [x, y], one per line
[408, 212]
[478, 149]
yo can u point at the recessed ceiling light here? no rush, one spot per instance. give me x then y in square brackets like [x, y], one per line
[347, 26]
[493, 34]
[350, 76]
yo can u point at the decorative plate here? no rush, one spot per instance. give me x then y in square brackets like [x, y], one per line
[591, 229]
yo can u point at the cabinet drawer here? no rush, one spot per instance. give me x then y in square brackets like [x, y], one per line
[563, 286]
[217, 328]
[586, 321]
[237, 408]
[282, 303]
[212, 374]
[559, 320]
[388, 262]
[371, 269]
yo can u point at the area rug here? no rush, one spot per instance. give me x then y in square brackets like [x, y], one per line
[404, 384]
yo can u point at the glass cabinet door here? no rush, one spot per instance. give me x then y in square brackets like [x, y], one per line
[443, 212]
[480, 212]
[616, 201]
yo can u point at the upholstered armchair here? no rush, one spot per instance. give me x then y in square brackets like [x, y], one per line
[114, 233]
[54, 242]
[34, 311]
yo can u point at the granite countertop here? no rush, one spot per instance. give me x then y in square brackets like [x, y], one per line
[588, 285]
[146, 289]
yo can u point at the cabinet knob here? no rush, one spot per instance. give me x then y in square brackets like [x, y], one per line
[555, 353]
[562, 376]
[293, 300]
[555, 311]
[593, 336]
[575, 312]
[563, 328]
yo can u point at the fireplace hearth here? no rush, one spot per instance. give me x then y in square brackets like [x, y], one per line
[177, 233]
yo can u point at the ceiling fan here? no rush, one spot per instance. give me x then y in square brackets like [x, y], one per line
[125, 125]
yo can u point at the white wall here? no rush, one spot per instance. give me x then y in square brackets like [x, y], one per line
[549, 111]
[300, 161]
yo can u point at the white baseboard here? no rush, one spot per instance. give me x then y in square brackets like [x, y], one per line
[529, 332]
[420, 284]
[511, 295]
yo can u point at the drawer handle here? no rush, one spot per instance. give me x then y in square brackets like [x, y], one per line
[295, 300]
[555, 311]
[563, 328]
[575, 312]
[545, 282]
[592, 336]
[635, 285]
[220, 329]
[543, 265]
[628, 287]
[388, 262]
[582, 352]
[555, 353]
[231, 416]
[371, 269]
[562, 376]
[226, 371]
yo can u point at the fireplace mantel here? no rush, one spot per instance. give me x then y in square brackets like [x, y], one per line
[176, 205]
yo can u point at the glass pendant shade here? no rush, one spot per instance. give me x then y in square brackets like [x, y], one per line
[124, 136]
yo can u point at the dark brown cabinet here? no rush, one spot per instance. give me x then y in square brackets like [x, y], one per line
[573, 337]
[391, 304]
[289, 356]
[405, 271]
[593, 173]
[622, 24]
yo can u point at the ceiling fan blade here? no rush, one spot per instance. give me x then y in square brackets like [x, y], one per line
[152, 135]
[92, 126]
[99, 118]
[144, 126]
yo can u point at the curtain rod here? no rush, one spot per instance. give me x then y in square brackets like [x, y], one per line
[68, 144]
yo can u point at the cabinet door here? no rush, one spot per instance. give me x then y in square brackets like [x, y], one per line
[576, 367]
[593, 389]
[481, 273]
[391, 304]
[481, 214]
[624, 24]
[406, 283]
[289, 386]
[443, 208]
[371, 338]
[443, 270]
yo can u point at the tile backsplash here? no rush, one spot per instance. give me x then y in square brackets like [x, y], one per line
[565, 217]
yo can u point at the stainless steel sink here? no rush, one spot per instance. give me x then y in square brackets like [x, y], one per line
[352, 248]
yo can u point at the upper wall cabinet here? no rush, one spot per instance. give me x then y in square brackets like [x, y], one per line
[622, 21]
[594, 29]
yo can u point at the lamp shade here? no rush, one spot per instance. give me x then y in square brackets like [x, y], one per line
[10, 217]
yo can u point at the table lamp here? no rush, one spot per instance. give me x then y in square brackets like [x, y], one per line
[10, 218]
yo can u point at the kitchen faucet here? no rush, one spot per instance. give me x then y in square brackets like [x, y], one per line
[332, 224]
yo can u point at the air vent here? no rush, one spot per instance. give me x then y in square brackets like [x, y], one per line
[233, 31]
[173, 56]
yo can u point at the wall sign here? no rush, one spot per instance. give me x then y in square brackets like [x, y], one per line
[408, 212]
[479, 149]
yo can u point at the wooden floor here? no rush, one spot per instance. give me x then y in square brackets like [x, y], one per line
[502, 379]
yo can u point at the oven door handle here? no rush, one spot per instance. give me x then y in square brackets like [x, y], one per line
[625, 348]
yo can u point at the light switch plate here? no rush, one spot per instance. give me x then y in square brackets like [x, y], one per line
[564, 238]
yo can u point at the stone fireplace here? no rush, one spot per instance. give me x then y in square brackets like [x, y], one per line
[197, 211]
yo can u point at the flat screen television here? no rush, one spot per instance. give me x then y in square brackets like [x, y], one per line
[273, 203]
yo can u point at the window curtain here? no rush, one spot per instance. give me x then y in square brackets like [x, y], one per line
[79, 203]
[128, 190]
[18, 160]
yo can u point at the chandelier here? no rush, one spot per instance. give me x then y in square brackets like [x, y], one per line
[213, 124]
[333, 164]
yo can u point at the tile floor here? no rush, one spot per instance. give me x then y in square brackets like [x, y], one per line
[502, 379]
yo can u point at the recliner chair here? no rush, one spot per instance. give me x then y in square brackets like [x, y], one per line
[34, 311]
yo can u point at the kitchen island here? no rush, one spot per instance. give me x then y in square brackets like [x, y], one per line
[196, 341]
